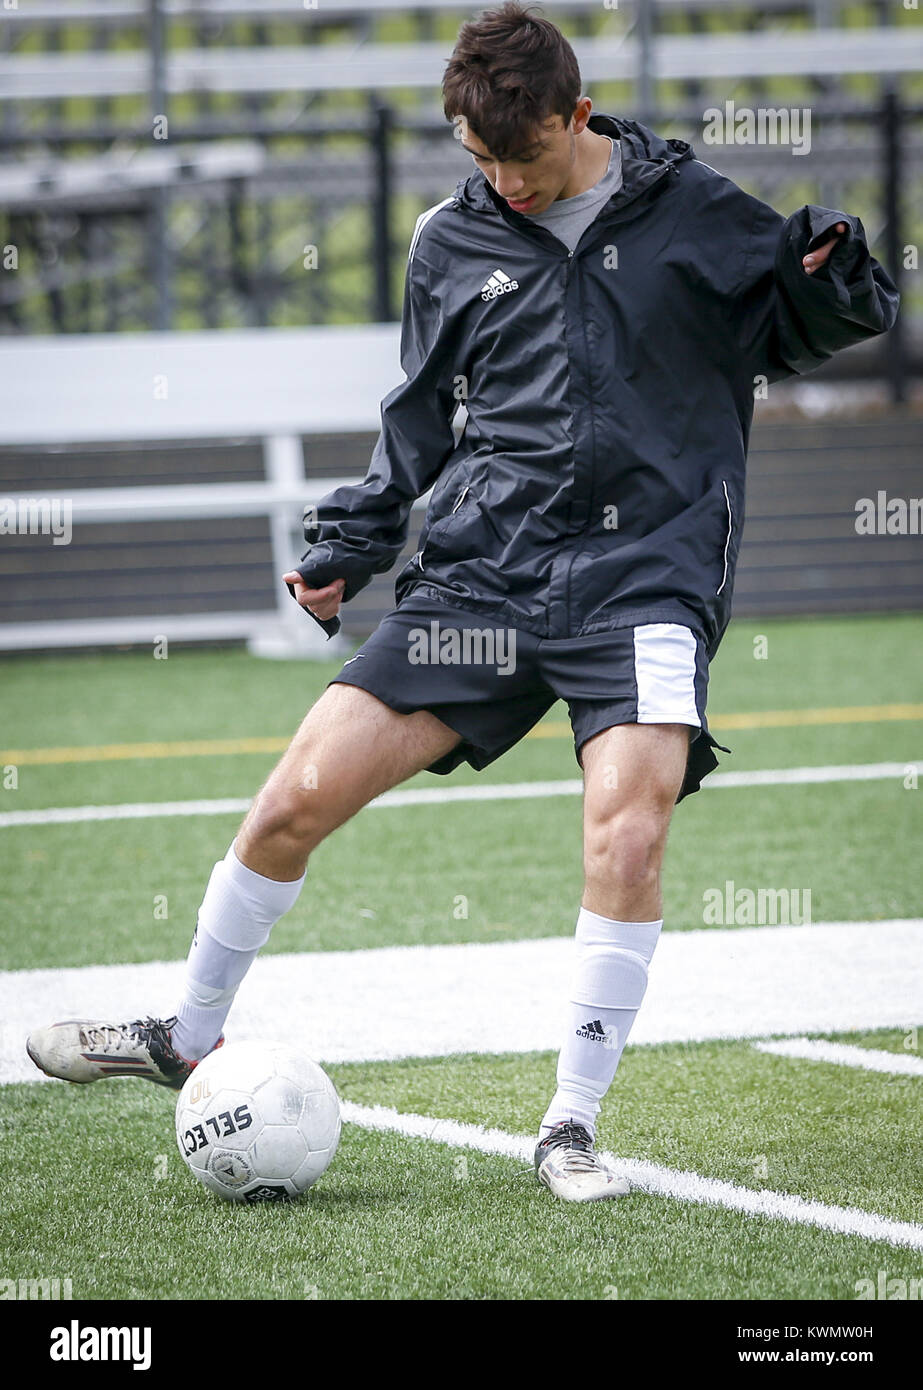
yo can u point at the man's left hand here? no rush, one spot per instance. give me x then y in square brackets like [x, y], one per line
[816, 258]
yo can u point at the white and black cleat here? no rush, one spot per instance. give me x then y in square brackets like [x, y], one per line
[83, 1050]
[567, 1163]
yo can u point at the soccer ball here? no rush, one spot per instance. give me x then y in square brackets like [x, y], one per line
[257, 1122]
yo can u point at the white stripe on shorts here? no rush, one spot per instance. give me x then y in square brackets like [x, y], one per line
[665, 674]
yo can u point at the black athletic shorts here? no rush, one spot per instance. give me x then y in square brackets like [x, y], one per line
[492, 683]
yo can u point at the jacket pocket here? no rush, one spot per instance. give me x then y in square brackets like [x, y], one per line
[461, 497]
[455, 500]
[460, 533]
[449, 493]
[464, 508]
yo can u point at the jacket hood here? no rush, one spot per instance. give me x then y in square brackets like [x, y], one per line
[644, 156]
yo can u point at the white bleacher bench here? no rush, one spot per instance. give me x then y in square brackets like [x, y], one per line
[275, 385]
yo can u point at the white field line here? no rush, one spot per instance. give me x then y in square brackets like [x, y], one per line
[652, 1178]
[438, 796]
[70, 815]
[864, 1058]
[508, 996]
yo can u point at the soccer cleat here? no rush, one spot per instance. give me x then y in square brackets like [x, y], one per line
[82, 1050]
[566, 1162]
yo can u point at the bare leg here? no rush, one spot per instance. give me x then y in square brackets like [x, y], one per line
[632, 776]
[349, 749]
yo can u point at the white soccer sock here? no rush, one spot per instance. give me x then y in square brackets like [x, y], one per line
[238, 912]
[610, 978]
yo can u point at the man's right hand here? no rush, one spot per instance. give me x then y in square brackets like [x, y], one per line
[323, 603]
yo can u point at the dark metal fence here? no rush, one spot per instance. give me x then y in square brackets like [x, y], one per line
[284, 209]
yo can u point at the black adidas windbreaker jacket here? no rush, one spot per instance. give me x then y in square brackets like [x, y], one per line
[599, 481]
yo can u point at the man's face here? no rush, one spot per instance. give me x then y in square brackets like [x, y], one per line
[533, 177]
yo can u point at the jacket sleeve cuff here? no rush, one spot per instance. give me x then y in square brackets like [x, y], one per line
[846, 262]
[821, 220]
[330, 625]
[320, 566]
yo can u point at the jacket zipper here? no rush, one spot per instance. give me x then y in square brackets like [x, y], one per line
[669, 168]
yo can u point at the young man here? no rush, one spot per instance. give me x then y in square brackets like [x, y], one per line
[605, 304]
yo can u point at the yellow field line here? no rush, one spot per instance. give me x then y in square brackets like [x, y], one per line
[198, 748]
[114, 752]
[775, 719]
[795, 718]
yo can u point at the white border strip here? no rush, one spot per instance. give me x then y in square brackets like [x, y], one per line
[505, 996]
[438, 796]
[665, 655]
[657, 1181]
[724, 577]
[422, 221]
[843, 1055]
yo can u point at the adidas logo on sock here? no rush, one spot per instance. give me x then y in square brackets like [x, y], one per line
[497, 284]
[595, 1032]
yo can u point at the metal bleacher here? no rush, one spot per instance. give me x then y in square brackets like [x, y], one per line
[186, 461]
[376, 67]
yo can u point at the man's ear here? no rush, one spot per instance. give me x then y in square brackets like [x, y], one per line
[581, 114]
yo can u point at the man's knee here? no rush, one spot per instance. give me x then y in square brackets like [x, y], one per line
[350, 748]
[288, 812]
[296, 805]
[625, 845]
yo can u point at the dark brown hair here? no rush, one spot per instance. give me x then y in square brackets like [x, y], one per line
[510, 71]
